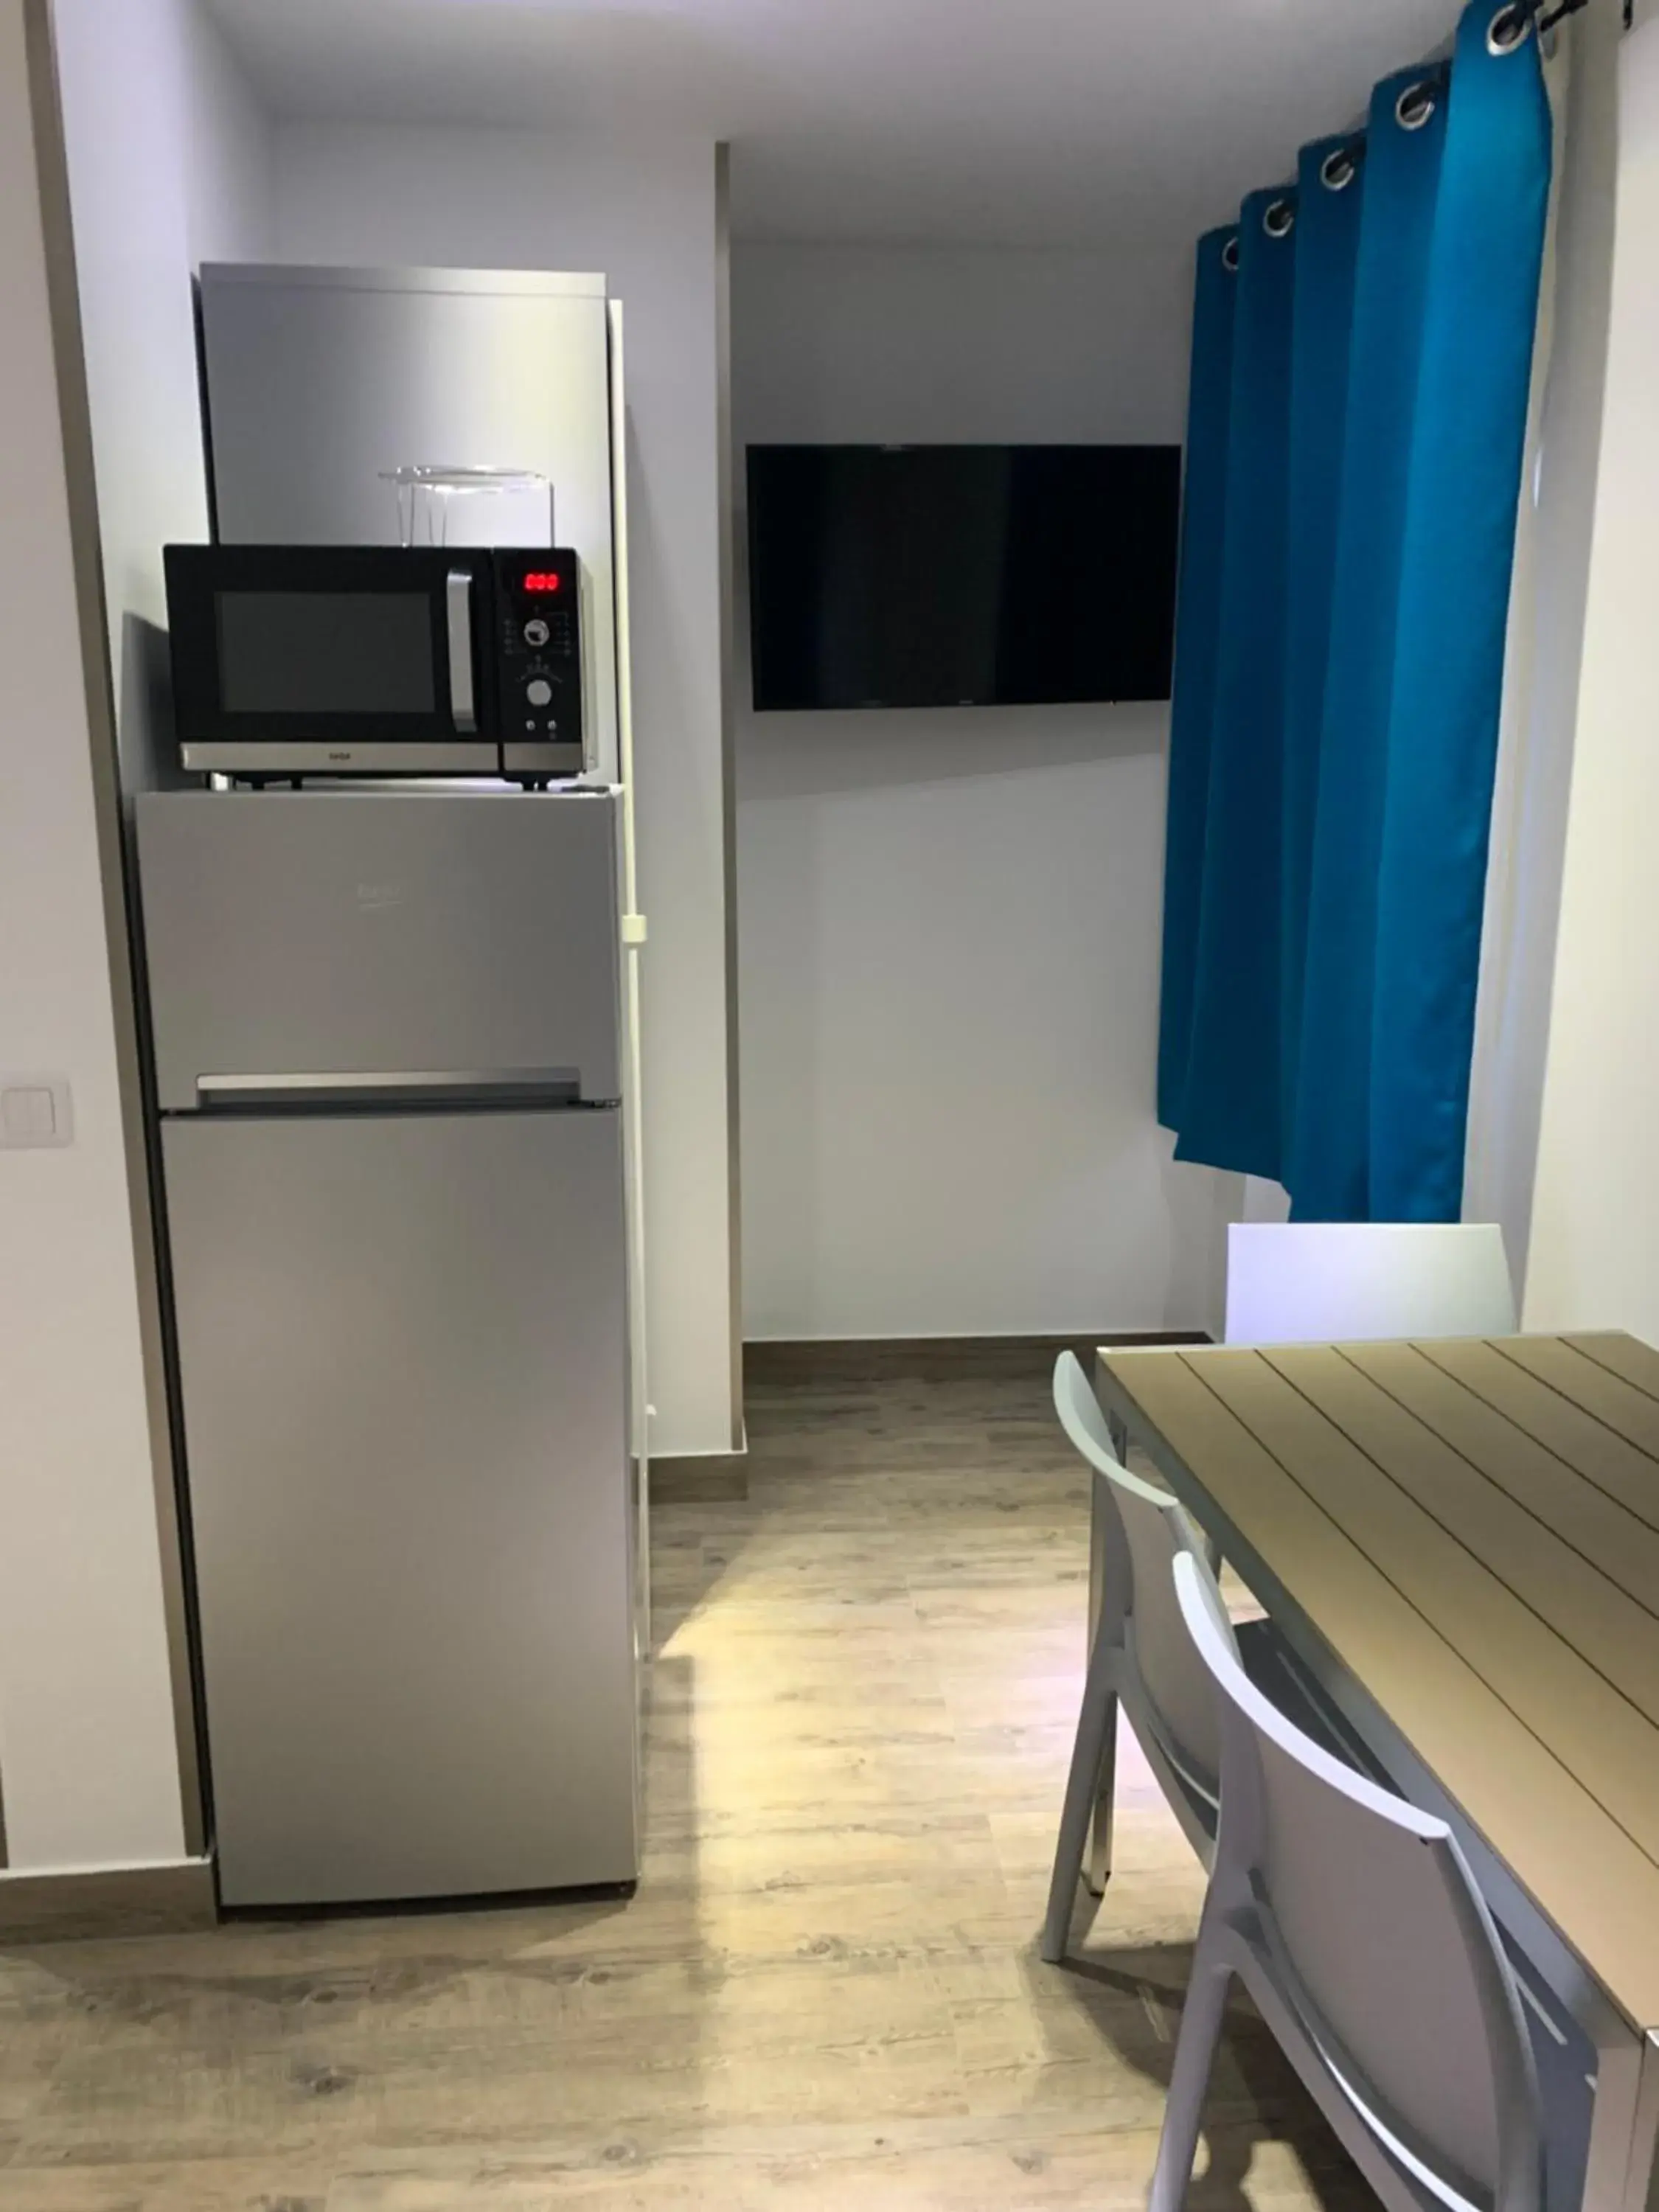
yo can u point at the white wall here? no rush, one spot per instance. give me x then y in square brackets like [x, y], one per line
[170, 164]
[949, 921]
[88, 1761]
[643, 212]
[168, 158]
[1594, 1258]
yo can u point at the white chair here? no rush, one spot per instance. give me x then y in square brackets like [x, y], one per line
[1289, 1283]
[1141, 1657]
[1307, 1282]
[1353, 1921]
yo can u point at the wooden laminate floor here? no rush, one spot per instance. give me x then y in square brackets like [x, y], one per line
[826, 1993]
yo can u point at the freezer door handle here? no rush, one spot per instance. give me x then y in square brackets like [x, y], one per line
[488, 1086]
[462, 707]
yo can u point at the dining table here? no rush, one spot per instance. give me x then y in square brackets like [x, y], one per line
[1458, 1540]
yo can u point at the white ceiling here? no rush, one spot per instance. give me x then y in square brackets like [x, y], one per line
[1050, 121]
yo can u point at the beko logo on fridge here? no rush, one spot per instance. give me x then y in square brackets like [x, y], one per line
[375, 898]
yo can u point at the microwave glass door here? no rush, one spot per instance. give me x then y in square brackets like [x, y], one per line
[326, 652]
[295, 658]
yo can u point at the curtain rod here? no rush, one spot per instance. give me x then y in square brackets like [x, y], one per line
[1508, 27]
[1524, 15]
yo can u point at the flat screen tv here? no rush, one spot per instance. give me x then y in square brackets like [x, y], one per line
[961, 575]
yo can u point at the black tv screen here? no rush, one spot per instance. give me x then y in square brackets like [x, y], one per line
[961, 575]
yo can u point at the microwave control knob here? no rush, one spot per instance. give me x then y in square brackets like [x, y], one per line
[540, 693]
[536, 632]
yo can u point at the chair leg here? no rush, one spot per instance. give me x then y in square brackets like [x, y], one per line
[1097, 1860]
[1094, 1755]
[1200, 2029]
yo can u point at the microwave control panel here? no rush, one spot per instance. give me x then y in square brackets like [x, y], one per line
[539, 664]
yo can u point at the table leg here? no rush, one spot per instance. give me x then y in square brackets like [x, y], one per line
[1118, 1430]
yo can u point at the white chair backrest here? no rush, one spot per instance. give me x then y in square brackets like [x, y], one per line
[1307, 1282]
[1151, 1531]
[1377, 1936]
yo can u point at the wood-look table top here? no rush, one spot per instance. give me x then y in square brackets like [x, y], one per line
[1471, 1527]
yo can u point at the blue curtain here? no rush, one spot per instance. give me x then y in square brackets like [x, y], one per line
[1229, 1114]
[1467, 453]
[1328, 1172]
[1198, 619]
[1345, 588]
[1331, 187]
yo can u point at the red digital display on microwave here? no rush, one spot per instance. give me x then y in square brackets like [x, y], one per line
[543, 579]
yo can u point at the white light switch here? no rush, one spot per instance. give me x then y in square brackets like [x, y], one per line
[34, 1111]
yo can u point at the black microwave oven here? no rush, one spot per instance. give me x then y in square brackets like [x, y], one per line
[292, 660]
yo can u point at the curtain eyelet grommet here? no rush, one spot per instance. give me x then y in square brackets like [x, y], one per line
[1279, 219]
[1508, 29]
[1230, 255]
[1415, 106]
[1338, 170]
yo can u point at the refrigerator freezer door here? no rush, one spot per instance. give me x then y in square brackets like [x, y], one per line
[403, 1349]
[373, 933]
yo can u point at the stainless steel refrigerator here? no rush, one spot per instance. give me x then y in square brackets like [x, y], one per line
[388, 1068]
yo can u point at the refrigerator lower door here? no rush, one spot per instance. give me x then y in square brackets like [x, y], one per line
[401, 1345]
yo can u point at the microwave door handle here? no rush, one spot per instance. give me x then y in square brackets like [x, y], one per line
[462, 706]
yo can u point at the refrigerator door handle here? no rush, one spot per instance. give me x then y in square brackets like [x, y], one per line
[490, 1086]
[462, 706]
